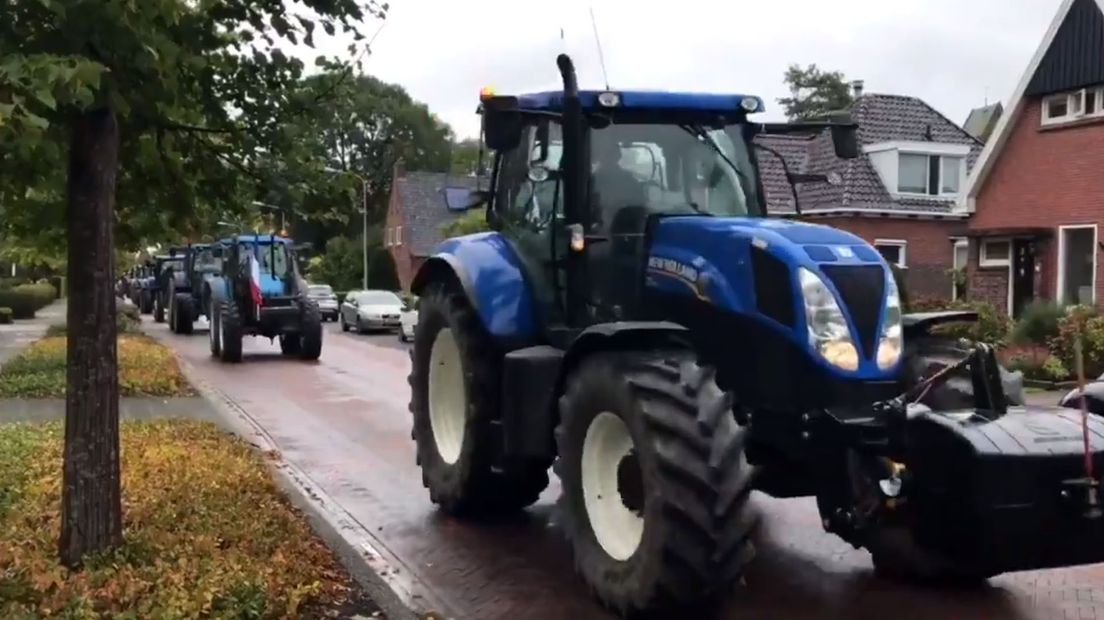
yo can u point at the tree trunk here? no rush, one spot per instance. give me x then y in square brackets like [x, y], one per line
[91, 507]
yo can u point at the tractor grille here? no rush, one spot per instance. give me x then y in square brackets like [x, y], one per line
[861, 289]
[773, 287]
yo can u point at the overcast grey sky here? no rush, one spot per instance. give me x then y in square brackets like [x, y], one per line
[950, 53]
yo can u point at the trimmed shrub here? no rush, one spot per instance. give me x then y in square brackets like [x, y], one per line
[127, 321]
[1086, 321]
[6, 316]
[1039, 323]
[26, 299]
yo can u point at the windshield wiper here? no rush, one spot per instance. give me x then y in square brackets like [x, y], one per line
[700, 133]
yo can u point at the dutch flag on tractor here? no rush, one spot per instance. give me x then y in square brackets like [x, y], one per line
[255, 281]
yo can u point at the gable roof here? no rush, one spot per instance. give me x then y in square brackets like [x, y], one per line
[1083, 19]
[881, 118]
[981, 121]
[422, 207]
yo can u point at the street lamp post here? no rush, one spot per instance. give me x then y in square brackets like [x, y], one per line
[364, 219]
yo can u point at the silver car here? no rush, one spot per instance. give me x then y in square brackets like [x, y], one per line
[367, 310]
[323, 295]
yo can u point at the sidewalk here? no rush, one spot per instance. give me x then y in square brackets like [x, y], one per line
[21, 333]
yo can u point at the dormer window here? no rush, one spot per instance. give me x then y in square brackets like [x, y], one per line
[1073, 106]
[930, 175]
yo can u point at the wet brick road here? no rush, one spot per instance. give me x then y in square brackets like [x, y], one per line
[344, 422]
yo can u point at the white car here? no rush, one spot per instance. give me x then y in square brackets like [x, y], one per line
[368, 310]
[408, 321]
[324, 296]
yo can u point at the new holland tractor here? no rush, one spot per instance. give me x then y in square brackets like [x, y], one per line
[165, 268]
[260, 293]
[636, 320]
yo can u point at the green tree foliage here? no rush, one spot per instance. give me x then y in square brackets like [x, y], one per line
[342, 265]
[471, 222]
[814, 93]
[381, 270]
[170, 110]
[465, 158]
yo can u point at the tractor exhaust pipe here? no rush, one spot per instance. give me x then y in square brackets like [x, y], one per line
[574, 170]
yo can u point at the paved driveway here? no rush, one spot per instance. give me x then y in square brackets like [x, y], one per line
[344, 422]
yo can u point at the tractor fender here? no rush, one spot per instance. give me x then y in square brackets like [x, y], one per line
[917, 324]
[488, 270]
[620, 336]
[219, 289]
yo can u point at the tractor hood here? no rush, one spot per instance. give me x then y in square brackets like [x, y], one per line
[749, 266]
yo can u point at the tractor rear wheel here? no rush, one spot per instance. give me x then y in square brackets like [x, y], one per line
[229, 332]
[928, 354]
[310, 334]
[158, 310]
[182, 316]
[455, 404]
[655, 482]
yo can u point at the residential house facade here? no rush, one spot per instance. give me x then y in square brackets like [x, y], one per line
[416, 211]
[899, 195]
[1036, 198]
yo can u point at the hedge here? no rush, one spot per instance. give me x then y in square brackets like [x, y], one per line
[26, 299]
[5, 316]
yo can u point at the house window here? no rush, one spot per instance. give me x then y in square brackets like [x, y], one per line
[1077, 264]
[929, 175]
[398, 235]
[387, 236]
[995, 253]
[1072, 106]
[893, 250]
[959, 261]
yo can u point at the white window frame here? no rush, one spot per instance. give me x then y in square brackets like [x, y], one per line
[902, 260]
[398, 235]
[958, 242]
[985, 261]
[387, 237]
[1077, 96]
[927, 175]
[1060, 281]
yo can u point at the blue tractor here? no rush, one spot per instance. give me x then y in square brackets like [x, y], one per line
[260, 292]
[636, 320]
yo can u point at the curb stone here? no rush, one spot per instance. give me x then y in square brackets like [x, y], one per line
[384, 577]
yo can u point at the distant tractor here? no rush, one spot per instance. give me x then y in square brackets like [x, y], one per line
[638, 321]
[260, 292]
[161, 286]
[191, 288]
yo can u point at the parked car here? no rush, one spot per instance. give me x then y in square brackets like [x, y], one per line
[366, 310]
[324, 296]
[408, 321]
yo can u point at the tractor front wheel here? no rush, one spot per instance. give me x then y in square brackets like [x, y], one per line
[229, 332]
[655, 482]
[455, 404]
[158, 310]
[310, 332]
[183, 321]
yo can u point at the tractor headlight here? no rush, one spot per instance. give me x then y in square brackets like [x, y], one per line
[890, 342]
[828, 331]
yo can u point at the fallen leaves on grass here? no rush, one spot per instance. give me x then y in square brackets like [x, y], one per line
[146, 368]
[207, 533]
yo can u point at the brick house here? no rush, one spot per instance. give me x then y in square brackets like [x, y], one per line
[1036, 197]
[900, 193]
[415, 213]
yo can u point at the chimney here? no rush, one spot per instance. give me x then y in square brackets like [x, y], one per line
[857, 87]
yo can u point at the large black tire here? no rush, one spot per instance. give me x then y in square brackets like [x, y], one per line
[146, 299]
[927, 354]
[231, 329]
[310, 334]
[476, 481]
[213, 330]
[694, 481]
[184, 322]
[291, 344]
[159, 309]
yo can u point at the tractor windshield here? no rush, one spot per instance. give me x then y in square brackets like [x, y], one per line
[671, 169]
[274, 259]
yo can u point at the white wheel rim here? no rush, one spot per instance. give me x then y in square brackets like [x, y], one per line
[617, 528]
[447, 397]
[217, 326]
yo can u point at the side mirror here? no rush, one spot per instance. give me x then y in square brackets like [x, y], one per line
[501, 123]
[463, 199]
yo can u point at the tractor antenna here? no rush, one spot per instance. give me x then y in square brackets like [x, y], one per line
[598, 43]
